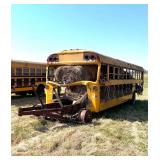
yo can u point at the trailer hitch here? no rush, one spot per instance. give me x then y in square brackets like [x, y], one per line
[61, 109]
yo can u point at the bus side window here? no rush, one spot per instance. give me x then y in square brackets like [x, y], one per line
[139, 75]
[12, 71]
[43, 79]
[50, 74]
[12, 82]
[133, 75]
[38, 79]
[110, 72]
[19, 82]
[32, 71]
[25, 71]
[136, 74]
[142, 75]
[43, 72]
[124, 73]
[120, 73]
[38, 72]
[104, 75]
[116, 73]
[129, 74]
[18, 71]
[32, 81]
[26, 81]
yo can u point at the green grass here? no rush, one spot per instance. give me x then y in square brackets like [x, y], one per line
[122, 130]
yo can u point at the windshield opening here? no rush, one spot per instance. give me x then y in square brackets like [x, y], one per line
[66, 74]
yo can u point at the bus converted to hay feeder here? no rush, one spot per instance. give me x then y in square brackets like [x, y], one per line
[80, 82]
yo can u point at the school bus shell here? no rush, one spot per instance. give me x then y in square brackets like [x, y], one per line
[21, 64]
[77, 57]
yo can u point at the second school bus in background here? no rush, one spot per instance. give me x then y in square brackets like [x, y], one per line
[24, 74]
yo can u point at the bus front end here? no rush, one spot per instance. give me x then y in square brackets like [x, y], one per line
[72, 88]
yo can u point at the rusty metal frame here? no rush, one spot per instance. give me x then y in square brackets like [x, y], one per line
[53, 110]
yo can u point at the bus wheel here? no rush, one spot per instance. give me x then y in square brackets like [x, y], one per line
[40, 90]
[133, 100]
[85, 116]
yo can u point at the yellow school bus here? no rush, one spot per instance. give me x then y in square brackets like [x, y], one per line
[80, 82]
[25, 74]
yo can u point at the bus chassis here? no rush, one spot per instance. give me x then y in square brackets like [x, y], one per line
[61, 109]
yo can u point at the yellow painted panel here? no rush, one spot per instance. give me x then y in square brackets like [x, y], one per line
[93, 96]
[114, 102]
[21, 89]
[73, 57]
[49, 93]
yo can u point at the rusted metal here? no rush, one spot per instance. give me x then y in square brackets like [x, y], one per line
[54, 111]
[58, 98]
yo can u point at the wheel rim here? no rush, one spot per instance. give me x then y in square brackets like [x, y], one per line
[85, 116]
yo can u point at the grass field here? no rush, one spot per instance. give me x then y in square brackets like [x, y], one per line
[122, 130]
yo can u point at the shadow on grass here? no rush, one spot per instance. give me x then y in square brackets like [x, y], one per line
[137, 112]
[13, 97]
[28, 100]
[132, 113]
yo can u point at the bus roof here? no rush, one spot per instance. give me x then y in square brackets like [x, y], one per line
[102, 58]
[75, 51]
[117, 62]
[28, 62]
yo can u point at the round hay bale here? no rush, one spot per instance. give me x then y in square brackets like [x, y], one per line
[70, 74]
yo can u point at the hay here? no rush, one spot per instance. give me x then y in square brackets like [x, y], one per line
[70, 74]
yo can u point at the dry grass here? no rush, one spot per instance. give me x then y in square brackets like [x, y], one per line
[118, 131]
